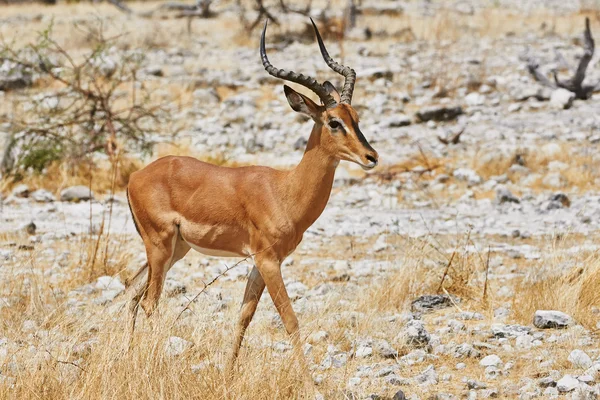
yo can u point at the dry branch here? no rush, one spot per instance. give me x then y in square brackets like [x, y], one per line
[574, 84]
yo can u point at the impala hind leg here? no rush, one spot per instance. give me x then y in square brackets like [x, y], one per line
[160, 260]
[140, 285]
[252, 294]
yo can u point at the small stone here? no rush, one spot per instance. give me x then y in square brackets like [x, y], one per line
[562, 98]
[561, 198]
[473, 384]
[524, 342]
[363, 351]
[503, 195]
[429, 303]
[439, 113]
[416, 333]
[579, 359]
[466, 350]
[399, 395]
[393, 379]
[467, 175]
[21, 191]
[514, 107]
[396, 121]
[30, 228]
[475, 99]
[384, 349]
[42, 196]
[427, 377]
[491, 360]
[154, 70]
[76, 193]
[547, 382]
[567, 384]
[550, 319]
[492, 373]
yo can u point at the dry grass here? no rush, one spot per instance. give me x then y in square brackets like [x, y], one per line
[60, 175]
[76, 348]
[572, 290]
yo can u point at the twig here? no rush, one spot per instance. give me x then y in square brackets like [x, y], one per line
[452, 300]
[64, 362]
[206, 285]
[454, 139]
[487, 269]
[446, 271]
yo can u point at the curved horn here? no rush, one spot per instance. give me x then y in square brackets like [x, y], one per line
[347, 72]
[291, 76]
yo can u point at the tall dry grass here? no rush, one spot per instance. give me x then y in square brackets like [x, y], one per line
[572, 290]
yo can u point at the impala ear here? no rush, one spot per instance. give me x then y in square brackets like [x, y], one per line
[332, 91]
[300, 103]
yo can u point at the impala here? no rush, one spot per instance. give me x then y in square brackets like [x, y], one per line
[180, 203]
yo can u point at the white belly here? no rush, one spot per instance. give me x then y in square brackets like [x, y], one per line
[212, 252]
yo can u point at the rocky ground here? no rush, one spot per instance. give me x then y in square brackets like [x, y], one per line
[453, 270]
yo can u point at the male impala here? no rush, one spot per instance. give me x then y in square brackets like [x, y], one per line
[180, 203]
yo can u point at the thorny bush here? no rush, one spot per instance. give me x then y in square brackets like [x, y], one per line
[92, 103]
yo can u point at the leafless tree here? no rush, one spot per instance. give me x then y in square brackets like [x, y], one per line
[91, 103]
[574, 84]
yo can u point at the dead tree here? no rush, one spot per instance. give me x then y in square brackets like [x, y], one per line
[575, 84]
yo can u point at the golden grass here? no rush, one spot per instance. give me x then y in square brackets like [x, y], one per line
[573, 291]
[60, 175]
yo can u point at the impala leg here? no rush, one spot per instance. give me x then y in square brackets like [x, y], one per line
[140, 288]
[271, 273]
[160, 260]
[254, 290]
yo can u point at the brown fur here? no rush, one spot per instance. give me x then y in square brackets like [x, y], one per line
[180, 201]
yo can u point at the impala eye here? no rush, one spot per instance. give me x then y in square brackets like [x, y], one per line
[333, 124]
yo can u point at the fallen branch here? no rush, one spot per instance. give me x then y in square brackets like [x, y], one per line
[574, 84]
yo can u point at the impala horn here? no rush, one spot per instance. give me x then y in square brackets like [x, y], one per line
[348, 73]
[292, 76]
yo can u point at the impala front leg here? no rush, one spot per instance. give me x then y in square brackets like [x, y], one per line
[271, 273]
[254, 290]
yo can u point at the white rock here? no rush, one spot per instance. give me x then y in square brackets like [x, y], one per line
[363, 351]
[580, 359]
[567, 384]
[468, 175]
[524, 342]
[42, 196]
[21, 190]
[491, 361]
[546, 319]
[76, 193]
[562, 98]
[475, 99]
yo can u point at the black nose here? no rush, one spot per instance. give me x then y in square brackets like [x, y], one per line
[371, 159]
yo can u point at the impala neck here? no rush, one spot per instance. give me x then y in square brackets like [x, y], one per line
[310, 182]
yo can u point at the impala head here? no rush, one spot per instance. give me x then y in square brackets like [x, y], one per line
[340, 134]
